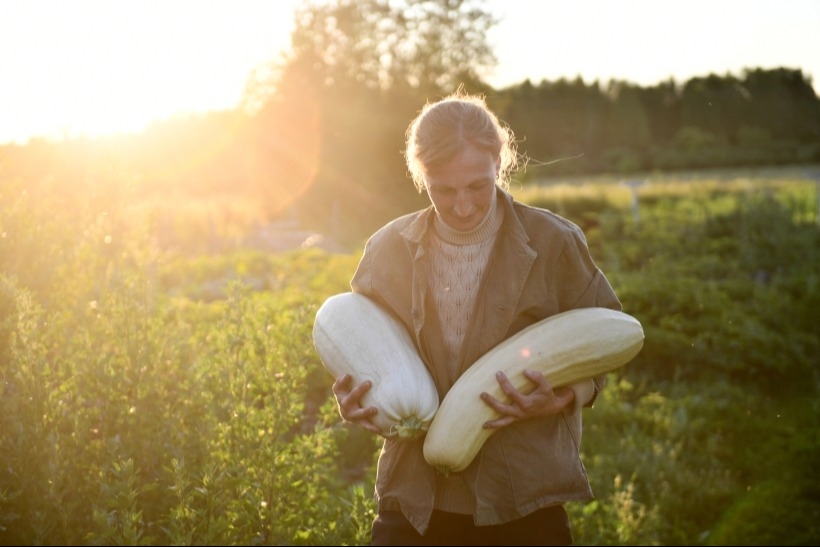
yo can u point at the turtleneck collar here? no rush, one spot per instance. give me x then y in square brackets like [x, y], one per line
[484, 230]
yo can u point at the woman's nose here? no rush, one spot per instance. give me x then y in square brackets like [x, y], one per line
[463, 207]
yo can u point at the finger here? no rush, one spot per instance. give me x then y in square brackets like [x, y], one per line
[352, 412]
[362, 417]
[350, 400]
[359, 391]
[350, 406]
[498, 423]
[540, 381]
[503, 409]
[506, 385]
[498, 406]
[360, 414]
[516, 397]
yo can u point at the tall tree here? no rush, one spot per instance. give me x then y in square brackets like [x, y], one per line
[626, 124]
[713, 104]
[429, 45]
[783, 102]
[559, 124]
[662, 106]
[370, 65]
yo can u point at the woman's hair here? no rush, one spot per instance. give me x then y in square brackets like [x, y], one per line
[442, 129]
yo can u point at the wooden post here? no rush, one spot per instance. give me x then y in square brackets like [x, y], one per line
[634, 185]
[816, 176]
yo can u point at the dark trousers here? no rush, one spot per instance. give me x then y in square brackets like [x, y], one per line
[548, 526]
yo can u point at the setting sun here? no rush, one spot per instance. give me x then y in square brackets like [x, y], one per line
[96, 67]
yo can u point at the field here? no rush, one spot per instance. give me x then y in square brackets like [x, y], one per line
[158, 383]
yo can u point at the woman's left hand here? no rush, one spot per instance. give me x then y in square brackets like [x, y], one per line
[542, 401]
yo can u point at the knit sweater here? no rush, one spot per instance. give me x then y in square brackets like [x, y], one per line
[459, 260]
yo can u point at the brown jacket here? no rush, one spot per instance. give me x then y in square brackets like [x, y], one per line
[540, 266]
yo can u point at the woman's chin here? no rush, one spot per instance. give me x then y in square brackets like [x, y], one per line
[462, 224]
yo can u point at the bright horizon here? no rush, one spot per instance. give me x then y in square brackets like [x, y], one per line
[97, 67]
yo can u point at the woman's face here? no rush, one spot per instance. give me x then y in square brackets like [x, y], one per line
[461, 190]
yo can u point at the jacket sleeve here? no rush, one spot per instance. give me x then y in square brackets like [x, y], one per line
[587, 285]
[591, 288]
[362, 281]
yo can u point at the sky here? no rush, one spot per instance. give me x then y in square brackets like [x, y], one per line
[94, 67]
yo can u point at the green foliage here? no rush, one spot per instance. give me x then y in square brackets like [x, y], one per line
[119, 521]
[781, 502]
[137, 411]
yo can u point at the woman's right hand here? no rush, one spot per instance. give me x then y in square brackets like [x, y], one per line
[348, 399]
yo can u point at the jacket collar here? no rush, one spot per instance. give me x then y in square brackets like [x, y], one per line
[414, 232]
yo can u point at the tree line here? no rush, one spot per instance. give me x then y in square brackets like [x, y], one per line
[762, 117]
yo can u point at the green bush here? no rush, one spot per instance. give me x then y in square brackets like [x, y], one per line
[139, 408]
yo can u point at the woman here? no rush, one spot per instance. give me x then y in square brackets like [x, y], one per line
[463, 275]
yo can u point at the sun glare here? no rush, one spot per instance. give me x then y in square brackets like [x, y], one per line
[101, 67]
[94, 67]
